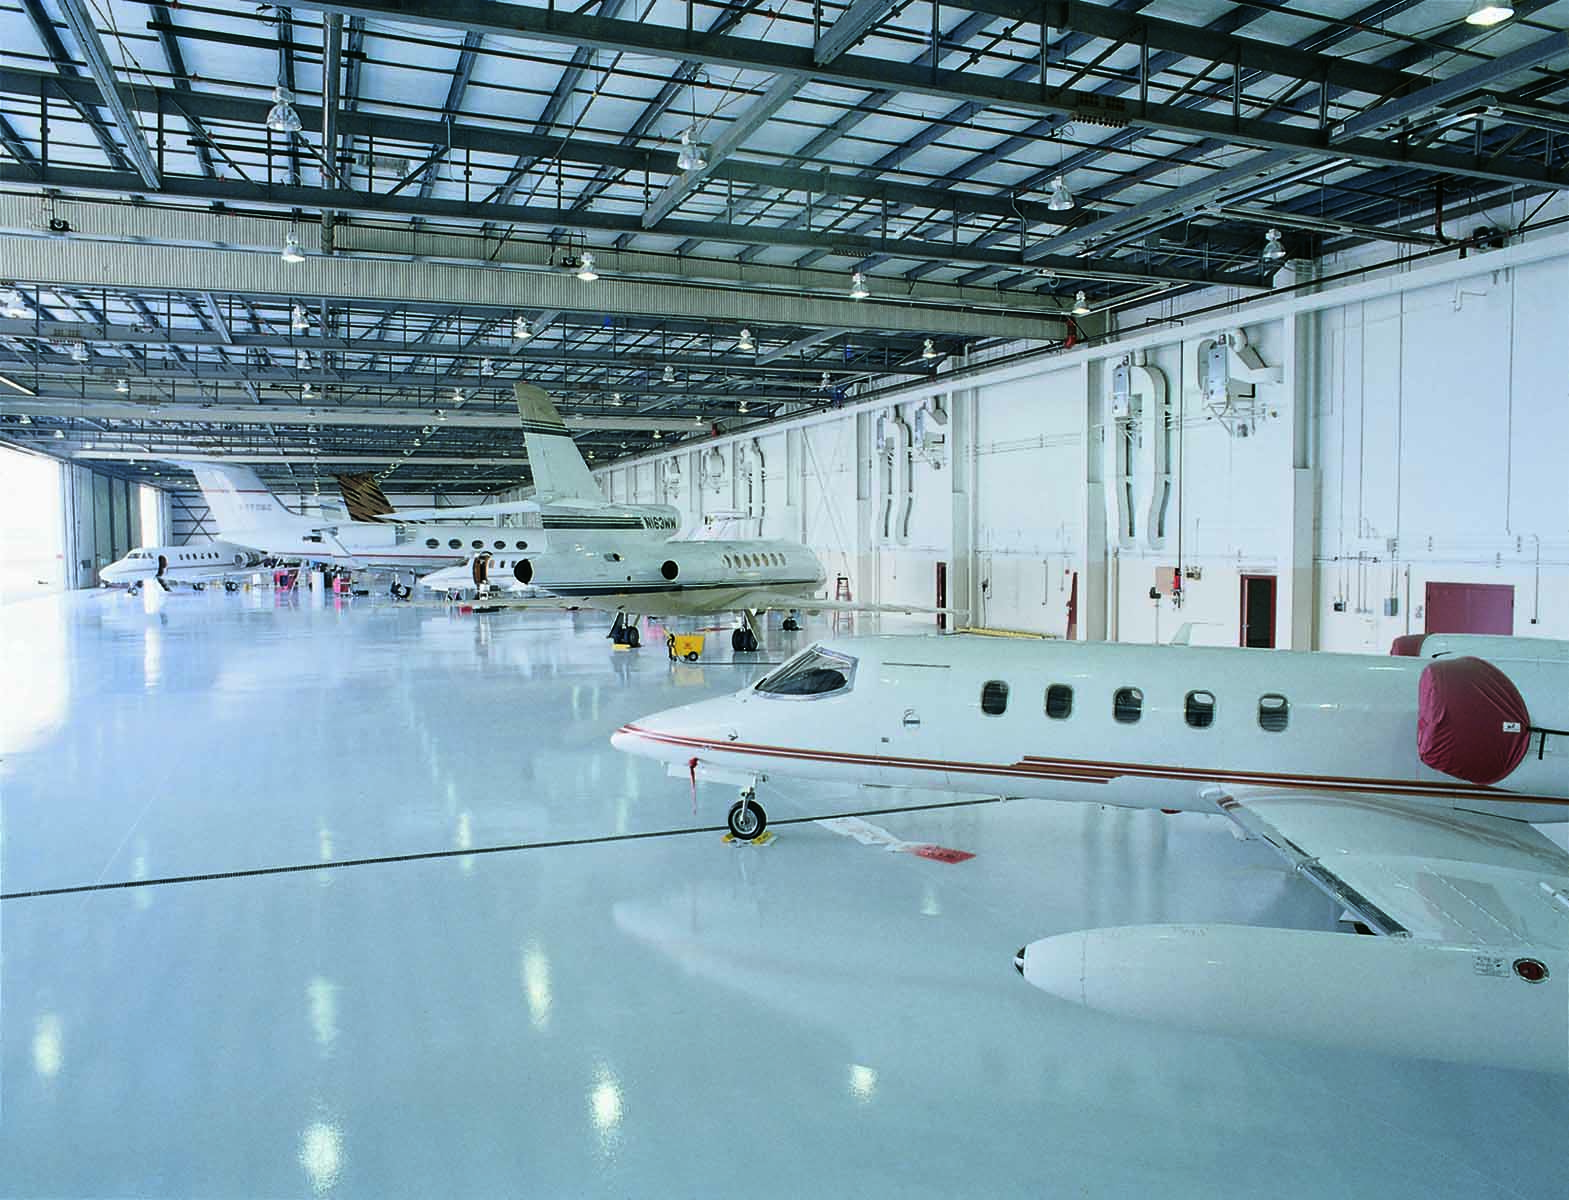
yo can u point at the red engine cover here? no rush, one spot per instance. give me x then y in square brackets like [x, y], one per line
[1471, 720]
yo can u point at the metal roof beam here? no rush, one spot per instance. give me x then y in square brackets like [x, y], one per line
[43, 26]
[777, 58]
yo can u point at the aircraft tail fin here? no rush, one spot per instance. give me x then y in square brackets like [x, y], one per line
[559, 470]
[364, 497]
[239, 500]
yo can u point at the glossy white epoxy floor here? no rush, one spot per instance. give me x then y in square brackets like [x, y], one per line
[667, 1016]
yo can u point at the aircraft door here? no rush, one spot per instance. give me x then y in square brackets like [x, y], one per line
[909, 740]
[163, 565]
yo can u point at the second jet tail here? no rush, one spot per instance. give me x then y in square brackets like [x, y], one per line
[559, 470]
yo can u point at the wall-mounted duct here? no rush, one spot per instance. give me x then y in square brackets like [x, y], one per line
[1138, 452]
[1229, 369]
[756, 482]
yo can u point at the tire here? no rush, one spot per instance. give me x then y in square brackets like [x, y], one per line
[747, 826]
[691, 656]
[633, 641]
[735, 640]
[748, 641]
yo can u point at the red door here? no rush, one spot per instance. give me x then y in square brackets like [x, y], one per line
[1470, 608]
[1258, 611]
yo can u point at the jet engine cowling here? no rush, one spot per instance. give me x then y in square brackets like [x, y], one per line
[1472, 722]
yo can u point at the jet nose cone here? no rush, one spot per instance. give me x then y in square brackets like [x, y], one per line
[1018, 960]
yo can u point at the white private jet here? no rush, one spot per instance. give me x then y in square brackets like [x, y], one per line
[1402, 786]
[197, 564]
[628, 577]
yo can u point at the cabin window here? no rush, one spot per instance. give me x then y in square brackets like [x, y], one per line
[994, 697]
[1274, 712]
[431, 543]
[813, 672]
[727, 559]
[1127, 705]
[455, 544]
[522, 545]
[500, 545]
[1059, 702]
[1199, 709]
[478, 544]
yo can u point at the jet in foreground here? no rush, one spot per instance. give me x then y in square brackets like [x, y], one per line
[1403, 786]
[198, 564]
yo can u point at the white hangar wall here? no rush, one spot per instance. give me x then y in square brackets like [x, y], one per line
[1403, 429]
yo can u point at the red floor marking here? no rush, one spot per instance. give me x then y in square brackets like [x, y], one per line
[941, 854]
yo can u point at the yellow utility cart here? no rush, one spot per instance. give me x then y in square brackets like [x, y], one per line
[684, 645]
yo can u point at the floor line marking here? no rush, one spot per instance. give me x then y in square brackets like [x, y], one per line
[433, 855]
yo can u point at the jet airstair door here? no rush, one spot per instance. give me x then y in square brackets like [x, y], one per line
[908, 745]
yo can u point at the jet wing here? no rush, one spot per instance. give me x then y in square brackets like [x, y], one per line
[762, 599]
[1431, 874]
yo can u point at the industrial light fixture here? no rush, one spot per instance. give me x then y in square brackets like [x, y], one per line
[825, 383]
[744, 343]
[306, 393]
[742, 408]
[590, 454]
[585, 268]
[14, 308]
[441, 414]
[669, 375]
[521, 329]
[928, 351]
[60, 434]
[691, 156]
[615, 399]
[26, 420]
[79, 352]
[123, 386]
[486, 367]
[658, 435]
[1081, 305]
[281, 117]
[457, 396]
[291, 249]
[1274, 250]
[858, 288]
[1485, 13]
[299, 321]
[1061, 199]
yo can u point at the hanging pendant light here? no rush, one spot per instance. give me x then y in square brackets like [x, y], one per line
[457, 396]
[306, 393]
[14, 307]
[928, 351]
[298, 320]
[1061, 199]
[521, 329]
[825, 382]
[291, 250]
[123, 386]
[585, 269]
[281, 117]
[486, 367]
[79, 352]
[744, 343]
[742, 408]
[669, 375]
[690, 157]
[858, 288]
[1485, 13]
[1081, 305]
[1274, 250]
[615, 399]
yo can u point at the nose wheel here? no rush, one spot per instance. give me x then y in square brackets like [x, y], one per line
[747, 820]
[743, 641]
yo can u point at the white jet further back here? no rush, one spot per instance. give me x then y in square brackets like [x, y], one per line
[1403, 787]
[197, 563]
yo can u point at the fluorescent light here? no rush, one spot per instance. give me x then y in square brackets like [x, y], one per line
[744, 343]
[291, 250]
[281, 117]
[1484, 13]
[1081, 305]
[1061, 198]
[1274, 251]
[585, 269]
[858, 288]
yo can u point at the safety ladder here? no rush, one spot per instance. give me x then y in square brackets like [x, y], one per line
[842, 592]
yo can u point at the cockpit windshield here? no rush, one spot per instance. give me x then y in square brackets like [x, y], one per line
[813, 672]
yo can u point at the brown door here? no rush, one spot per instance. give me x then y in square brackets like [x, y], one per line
[1258, 611]
[1470, 608]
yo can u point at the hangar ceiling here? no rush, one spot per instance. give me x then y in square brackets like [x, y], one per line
[732, 170]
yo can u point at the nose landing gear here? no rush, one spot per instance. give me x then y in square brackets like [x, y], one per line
[747, 820]
[744, 639]
[624, 632]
